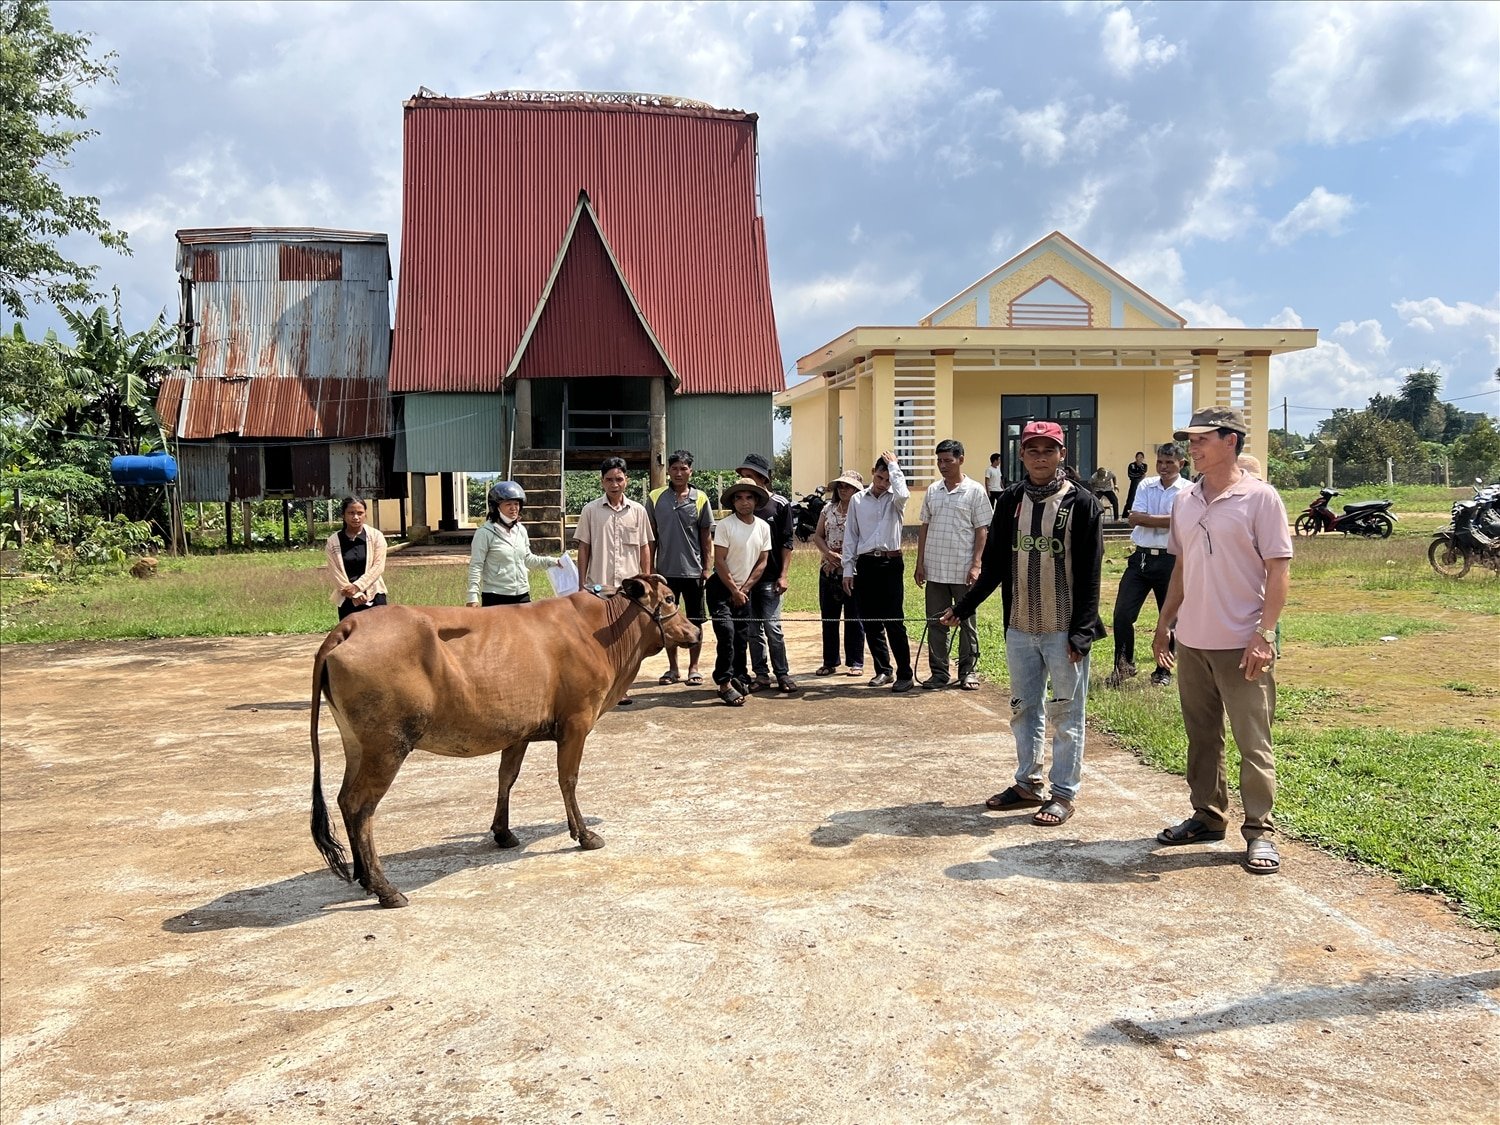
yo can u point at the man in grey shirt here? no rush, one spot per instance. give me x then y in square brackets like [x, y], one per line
[684, 527]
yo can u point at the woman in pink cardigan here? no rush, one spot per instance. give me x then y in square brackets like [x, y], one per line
[356, 561]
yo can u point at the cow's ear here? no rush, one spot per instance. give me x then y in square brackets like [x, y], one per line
[634, 589]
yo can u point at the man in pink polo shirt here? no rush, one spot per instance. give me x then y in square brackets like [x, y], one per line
[1234, 552]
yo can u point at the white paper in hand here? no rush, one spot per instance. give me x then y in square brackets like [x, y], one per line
[564, 578]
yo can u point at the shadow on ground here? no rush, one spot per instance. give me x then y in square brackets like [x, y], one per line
[1066, 860]
[316, 893]
[1371, 996]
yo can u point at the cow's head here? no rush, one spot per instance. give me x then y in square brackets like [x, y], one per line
[652, 594]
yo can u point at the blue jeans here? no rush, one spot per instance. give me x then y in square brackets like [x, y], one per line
[1033, 659]
[765, 631]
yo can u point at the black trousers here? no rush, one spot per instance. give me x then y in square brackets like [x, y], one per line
[1144, 574]
[1114, 501]
[503, 599]
[731, 634]
[832, 601]
[346, 607]
[879, 594]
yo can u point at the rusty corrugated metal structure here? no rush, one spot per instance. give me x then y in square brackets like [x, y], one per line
[288, 394]
[504, 191]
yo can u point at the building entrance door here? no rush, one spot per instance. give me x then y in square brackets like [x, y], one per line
[1076, 414]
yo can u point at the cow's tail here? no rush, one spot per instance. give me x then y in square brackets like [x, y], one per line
[332, 851]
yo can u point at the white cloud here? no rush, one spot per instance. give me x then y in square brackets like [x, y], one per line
[1322, 211]
[1207, 314]
[1287, 318]
[1158, 270]
[1044, 136]
[1364, 70]
[1422, 314]
[852, 294]
[1125, 51]
[1039, 132]
[1367, 334]
[1218, 209]
[1323, 377]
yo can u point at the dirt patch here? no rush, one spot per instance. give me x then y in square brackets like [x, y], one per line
[1449, 677]
[803, 914]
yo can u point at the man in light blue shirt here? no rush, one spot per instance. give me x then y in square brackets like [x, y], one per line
[1149, 568]
[873, 569]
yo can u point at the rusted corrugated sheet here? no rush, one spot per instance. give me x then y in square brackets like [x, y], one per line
[355, 468]
[292, 335]
[203, 472]
[588, 291]
[275, 408]
[245, 477]
[310, 472]
[490, 188]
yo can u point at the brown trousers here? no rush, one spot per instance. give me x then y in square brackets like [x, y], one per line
[1211, 684]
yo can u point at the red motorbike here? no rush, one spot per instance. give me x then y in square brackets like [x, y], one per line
[1371, 518]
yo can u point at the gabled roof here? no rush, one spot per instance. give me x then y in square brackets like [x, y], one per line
[491, 205]
[1121, 289]
[586, 287]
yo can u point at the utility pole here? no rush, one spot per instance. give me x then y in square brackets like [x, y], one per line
[1285, 429]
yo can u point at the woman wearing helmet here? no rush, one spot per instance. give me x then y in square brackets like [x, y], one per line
[502, 551]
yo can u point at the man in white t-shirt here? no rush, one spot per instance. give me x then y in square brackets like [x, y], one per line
[742, 546]
[994, 479]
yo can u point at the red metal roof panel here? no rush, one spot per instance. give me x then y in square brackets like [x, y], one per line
[490, 188]
[587, 293]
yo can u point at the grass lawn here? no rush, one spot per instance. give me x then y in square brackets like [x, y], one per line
[1390, 759]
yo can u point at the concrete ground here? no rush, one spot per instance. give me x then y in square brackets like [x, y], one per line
[803, 914]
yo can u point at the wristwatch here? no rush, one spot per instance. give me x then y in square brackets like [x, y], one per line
[1267, 635]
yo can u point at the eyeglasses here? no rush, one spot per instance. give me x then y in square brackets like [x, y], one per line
[1207, 538]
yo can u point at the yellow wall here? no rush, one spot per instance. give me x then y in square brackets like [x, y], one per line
[1134, 318]
[810, 453]
[1135, 411]
[1032, 273]
[387, 514]
[965, 316]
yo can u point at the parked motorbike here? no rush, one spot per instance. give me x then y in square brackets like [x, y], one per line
[1370, 518]
[1472, 537]
[805, 513]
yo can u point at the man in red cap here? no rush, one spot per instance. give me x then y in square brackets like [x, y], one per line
[1045, 552]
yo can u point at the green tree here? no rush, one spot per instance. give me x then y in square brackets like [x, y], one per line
[1365, 438]
[42, 72]
[1479, 447]
[112, 378]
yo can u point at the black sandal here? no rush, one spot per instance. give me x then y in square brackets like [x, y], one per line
[1190, 831]
[1013, 798]
[1059, 809]
[730, 696]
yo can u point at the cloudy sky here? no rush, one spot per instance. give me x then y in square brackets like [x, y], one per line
[1334, 166]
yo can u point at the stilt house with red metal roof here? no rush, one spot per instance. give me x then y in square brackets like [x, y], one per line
[582, 275]
[290, 331]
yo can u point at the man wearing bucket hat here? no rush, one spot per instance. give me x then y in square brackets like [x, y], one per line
[1234, 552]
[742, 546]
[766, 639]
[1045, 552]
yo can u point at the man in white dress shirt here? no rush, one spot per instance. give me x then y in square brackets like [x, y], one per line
[1149, 569]
[873, 569]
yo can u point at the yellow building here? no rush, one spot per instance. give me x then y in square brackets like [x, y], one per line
[1053, 333]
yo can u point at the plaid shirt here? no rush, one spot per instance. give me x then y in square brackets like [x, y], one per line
[952, 518]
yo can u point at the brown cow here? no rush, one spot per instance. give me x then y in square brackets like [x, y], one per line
[463, 682]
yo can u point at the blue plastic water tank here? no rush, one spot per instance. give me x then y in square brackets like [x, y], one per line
[147, 469]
